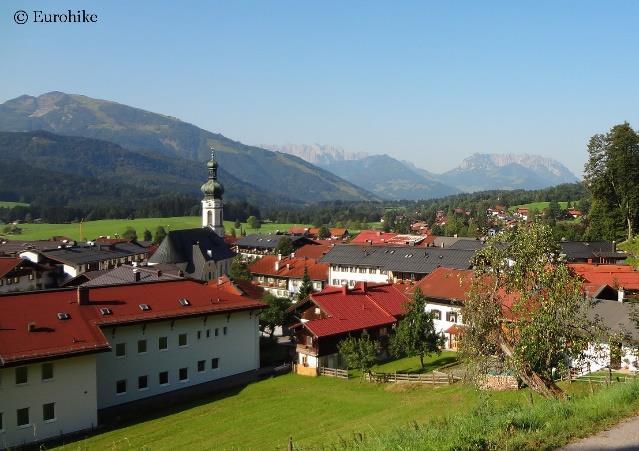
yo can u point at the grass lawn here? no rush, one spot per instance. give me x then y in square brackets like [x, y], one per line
[412, 364]
[7, 204]
[540, 206]
[110, 227]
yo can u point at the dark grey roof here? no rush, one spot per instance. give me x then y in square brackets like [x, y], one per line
[190, 249]
[79, 255]
[616, 316]
[14, 247]
[468, 244]
[583, 250]
[126, 274]
[269, 241]
[418, 260]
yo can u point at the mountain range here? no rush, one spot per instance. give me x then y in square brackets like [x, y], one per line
[391, 178]
[268, 175]
[122, 149]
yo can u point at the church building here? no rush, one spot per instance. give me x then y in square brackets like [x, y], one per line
[200, 253]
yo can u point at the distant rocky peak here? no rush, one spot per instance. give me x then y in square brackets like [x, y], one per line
[316, 153]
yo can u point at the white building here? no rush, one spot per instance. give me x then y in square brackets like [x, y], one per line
[68, 355]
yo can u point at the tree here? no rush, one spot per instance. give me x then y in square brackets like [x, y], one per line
[324, 233]
[306, 287]
[237, 224]
[233, 233]
[415, 335]
[147, 235]
[554, 210]
[160, 234]
[359, 352]
[253, 222]
[526, 309]
[130, 234]
[611, 172]
[275, 314]
[285, 246]
[239, 269]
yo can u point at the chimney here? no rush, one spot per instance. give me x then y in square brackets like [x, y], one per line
[364, 286]
[590, 261]
[136, 275]
[279, 257]
[293, 255]
[288, 266]
[83, 295]
[345, 289]
[180, 273]
[159, 273]
[277, 265]
[614, 245]
[31, 327]
[620, 294]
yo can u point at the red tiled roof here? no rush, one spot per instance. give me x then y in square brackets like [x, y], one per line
[315, 251]
[81, 333]
[375, 236]
[446, 283]
[614, 275]
[239, 287]
[358, 309]
[7, 264]
[295, 269]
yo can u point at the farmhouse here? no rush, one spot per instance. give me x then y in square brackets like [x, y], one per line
[591, 252]
[324, 319]
[350, 264]
[282, 276]
[69, 357]
[17, 274]
[254, 246]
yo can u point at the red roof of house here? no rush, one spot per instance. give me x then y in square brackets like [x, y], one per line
[315, 251]
[7, 264]
[614, 275]
[239, 287]
[357, 309]
[446, 283]
[81, 332]
[377, 237]
[290, 267]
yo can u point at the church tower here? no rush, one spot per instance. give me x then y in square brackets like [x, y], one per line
[212, 215]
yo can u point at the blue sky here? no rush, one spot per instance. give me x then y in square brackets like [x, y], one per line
[428, 82]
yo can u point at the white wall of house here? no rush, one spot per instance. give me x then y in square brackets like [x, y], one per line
[237, 351]
[339, 275]
[446, 312]
[598, 357]
[72, 390]
[308, 360]
[295, 284]
[30, 255]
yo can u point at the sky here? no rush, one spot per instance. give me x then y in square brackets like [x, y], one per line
[429, 82]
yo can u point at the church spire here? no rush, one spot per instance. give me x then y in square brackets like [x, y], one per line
[212, 202]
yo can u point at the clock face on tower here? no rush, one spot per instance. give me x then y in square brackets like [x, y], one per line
[209, 203]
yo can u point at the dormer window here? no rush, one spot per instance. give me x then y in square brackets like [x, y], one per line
[104, 311]
[184, 302]
[144, 307]
[63, 316]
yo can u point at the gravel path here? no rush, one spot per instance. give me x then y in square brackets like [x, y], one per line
[623, 436]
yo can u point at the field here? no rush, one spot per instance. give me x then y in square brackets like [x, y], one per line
[539, 206]
[110, 227]
[335, 413]
[7, 204]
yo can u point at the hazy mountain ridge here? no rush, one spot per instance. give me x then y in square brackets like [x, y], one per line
[276, 174]
[320, 154]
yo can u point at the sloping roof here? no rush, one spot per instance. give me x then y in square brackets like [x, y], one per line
[290, 267]
[78, 255]
[53, 337]
[315, 251]
[583, 250]
[125, 274]
[378, 237]
[446, 283]
[356, 309]
[616, 316]
[399, 258]
[614, 275]
[269, 241]
[7, 264]
[192, 248]
[467, 243]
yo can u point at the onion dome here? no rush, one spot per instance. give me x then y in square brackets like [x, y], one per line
[212, 188]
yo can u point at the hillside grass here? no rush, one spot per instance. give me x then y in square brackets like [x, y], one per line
[110, 227]
[334, 413]
[7, 204]
[539, 206]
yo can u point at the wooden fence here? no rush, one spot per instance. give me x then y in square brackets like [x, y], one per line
[433, 378]
[333, 372]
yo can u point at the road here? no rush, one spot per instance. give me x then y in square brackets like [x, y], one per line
[623, 436]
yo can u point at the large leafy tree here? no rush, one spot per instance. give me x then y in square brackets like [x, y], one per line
[526, 309]
[415, 335]
[359, 352]
[324, 233]
[160, 234]
[285, 246]
[275, 314]
[612, 173]
[239, 269]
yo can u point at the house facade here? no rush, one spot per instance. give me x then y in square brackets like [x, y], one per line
[68, 356]
[18, 274]
[282, 276]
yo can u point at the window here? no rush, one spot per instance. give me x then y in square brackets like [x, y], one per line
[143, 382]
[141, 346]
[451, 316]
[225, 330]
[182, 341]
[1, 423]
[217, 331]
[22, 416]
[163, 378]
[215, 363]
[436, 314]
[48, 412]
[120, 387]
[184, 374]
[200, 366]
[120, 350]
[199, 334]
[22, 375]
[208, 333]
[47, 371]
[163, 343]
